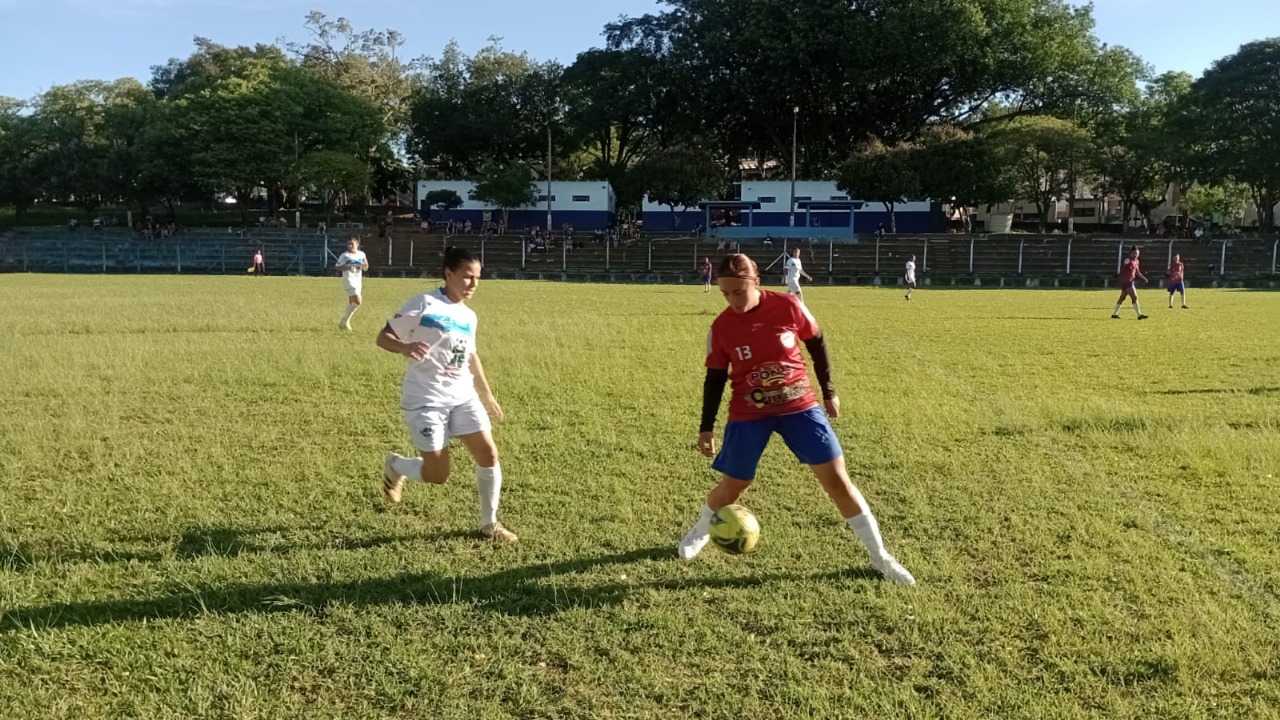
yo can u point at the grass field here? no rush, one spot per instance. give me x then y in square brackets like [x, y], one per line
[191, 523]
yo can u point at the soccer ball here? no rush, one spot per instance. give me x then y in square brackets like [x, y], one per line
[735, 530]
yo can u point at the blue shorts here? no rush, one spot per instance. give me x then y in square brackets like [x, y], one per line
[1177, 287]
[808, 434]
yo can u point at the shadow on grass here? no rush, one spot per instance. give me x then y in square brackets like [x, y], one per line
[1221, 391]
[529, 591]
[196, 543]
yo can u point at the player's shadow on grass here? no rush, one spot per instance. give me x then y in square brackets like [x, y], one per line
[1221, 391]
[530, 591]
[197, 543]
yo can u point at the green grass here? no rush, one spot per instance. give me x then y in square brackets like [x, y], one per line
[191, 523]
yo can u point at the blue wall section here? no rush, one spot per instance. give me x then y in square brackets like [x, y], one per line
[908, 222]
[517, 220]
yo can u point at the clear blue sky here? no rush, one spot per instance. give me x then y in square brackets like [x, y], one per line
[48, 42]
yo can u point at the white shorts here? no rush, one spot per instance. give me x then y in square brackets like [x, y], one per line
[433, 427]
[910, 279]
[352, 288]
[793, 287]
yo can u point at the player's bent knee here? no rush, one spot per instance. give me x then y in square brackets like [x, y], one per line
[434, 476]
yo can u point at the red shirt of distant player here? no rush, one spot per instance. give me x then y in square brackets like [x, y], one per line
[1175, 272]
[1128, 271]
[761, 349]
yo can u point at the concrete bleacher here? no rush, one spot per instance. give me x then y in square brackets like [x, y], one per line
[959, 260]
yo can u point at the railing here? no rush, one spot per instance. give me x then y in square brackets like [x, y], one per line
[938, 256]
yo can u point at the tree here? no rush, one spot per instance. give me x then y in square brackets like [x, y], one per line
[1232, 117]
[443, 200]
[1039, 152]
[680, 177]
[873, 68]
[1137, 147]
[21, 182]
[505, 187]
[965, 165]
[887, 174]
[1222, 203]
[493, 107]
[333, 175]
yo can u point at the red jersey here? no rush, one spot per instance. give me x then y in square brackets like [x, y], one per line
[761, 349]
[1175, 272]
[1128, 271]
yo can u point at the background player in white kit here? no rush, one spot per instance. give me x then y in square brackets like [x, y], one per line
[353, 264]
[792, 271]
[909, 276]
[445, 393]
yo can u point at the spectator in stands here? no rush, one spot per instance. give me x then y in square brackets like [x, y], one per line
[879, 230]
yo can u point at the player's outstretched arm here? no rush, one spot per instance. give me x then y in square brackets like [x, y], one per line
[482, 387]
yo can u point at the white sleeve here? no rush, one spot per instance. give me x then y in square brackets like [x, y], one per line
[407, 319]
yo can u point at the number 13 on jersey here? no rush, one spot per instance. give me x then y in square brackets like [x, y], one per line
[743, 351]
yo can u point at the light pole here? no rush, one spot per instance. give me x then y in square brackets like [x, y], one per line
[548, 178]
[795, 120]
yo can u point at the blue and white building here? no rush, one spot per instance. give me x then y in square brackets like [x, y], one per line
[767, 204]
[584, 204]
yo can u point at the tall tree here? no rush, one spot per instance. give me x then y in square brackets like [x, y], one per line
[505, 187]
[679, 178]
[1039, 152]
[887, 174]
[1232, 116]
[21, 147]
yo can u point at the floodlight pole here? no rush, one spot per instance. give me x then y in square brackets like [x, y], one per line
[795, 121]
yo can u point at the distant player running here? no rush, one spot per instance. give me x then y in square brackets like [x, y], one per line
[755, 346]
[445, 393]
[909, 276]
[792, 271]
[1129, 275]
[353, 263]
[1175, 282]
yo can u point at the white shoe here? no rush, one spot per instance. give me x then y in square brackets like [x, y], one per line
[693, 543]
[344, 326]
[892, 570]
[497, 533]
[392, 481]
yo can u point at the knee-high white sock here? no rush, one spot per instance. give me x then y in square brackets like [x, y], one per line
[864, 525]
[408, 467]
[868, 531]
[351, 310]
[489, 487]
[1117, 310]
[1136, 308]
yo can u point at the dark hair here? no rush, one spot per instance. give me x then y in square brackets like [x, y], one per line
[738, 266]
[456, 257]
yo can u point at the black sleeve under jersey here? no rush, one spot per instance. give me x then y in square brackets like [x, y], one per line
[821, 364]
[712, 392]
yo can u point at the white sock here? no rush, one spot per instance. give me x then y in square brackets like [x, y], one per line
[704, 518]
[868, 531]
[1136, 308]
[351, 310]
[488, 487]
[408, 467]
[1117, 310]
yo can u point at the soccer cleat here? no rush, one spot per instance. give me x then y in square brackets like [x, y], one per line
[1115, 317]
[693, 542]
[1184, 307]
[892, 570]
[392, 481]
[497, 533]
[1142, 317]
[344, 326]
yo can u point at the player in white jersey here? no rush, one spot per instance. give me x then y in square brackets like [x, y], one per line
[353, 263]
[445, 393]
[909, 276]
[792, 271]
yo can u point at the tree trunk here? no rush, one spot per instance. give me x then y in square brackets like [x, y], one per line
[893, 218]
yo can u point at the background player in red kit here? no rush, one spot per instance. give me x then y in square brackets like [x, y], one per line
[1129, 273]
[1173, 279]
[756, 344]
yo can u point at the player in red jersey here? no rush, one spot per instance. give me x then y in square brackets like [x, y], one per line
[1173, 280]
[755, 345]
[1129, 274]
